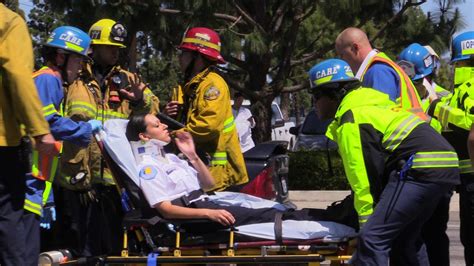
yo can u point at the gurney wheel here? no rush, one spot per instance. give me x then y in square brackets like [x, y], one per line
[230, 252]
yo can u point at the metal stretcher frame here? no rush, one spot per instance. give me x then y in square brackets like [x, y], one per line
[312, 252]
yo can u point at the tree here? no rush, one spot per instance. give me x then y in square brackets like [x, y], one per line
[269, 45]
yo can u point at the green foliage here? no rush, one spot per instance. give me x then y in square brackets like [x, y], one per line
[270, 45]
[309, 170]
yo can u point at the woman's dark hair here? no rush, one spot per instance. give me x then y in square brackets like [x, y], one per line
[136, 125]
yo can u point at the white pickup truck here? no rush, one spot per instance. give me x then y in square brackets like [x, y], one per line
[280, 127]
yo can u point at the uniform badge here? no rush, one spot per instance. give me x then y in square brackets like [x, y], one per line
[212, 93]
[148, 172]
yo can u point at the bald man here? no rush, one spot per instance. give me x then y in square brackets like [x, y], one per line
[376, 70]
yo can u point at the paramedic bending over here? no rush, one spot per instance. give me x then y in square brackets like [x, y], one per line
[164, 179]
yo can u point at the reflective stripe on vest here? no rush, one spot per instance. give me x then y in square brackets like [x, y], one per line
[49, 110]
[47, 191]
[32, 207]
[44, 167]
[408, 98]
[46, 70]
[363, 218]
[81, 107]
[449, 115]
[228, 124]
[441, 159]
[219, 158]
[465, 166]
[401, 132]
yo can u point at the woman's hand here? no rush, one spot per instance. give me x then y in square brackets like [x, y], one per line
[185, 144]
[221, 216]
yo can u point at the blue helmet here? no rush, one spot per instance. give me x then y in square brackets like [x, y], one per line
[462, 46]
[421, 59]
[69, 39]
[330, 71]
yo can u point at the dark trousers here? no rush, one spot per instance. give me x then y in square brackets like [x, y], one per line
[466, 213]
[396, 223]
[434, 233]
[90, 227]
[244, 215]
[12, 199]
[31, 227]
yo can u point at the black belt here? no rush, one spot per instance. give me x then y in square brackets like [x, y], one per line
[185, 201]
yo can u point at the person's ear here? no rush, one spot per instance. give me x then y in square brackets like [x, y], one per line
[143, 137]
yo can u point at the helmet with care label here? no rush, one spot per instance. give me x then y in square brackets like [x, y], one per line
[462, 46]
[330, 71]
[204, 41]
[108, 32]
[69, 39]
[421, 59]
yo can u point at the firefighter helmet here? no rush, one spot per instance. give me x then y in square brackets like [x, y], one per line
[462, 46]
[421, 59]
[204, 41]
[69, 39]
[330, 71]
[108, 32]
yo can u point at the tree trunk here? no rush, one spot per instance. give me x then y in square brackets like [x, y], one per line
[296, 107]
[285, 105]
[262, 113]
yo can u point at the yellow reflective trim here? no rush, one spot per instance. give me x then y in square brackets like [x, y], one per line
[399, 134]
[47, 190]
[323, 80]
[74, 47]
[78, 106]
[219, 158]
[34, 166]
[32, 207]
[465, 166]
[467, 51]
[203, 43]
[49, 110]
[228, 125]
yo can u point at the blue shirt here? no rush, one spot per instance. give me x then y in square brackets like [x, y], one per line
[51, 93]
[383, 78]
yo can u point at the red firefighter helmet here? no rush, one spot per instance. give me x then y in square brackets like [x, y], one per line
[204, 41]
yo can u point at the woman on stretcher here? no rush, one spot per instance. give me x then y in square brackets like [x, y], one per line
[175, 189]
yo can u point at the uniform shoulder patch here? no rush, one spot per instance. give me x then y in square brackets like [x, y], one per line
[212, 93]
[148, 172]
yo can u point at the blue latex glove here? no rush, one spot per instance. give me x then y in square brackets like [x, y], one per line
[49, 216]
[96, 125]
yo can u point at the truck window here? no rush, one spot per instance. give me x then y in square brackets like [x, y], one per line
[313, 125]
[276, 114]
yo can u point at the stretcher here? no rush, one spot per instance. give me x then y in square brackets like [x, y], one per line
[150, 239]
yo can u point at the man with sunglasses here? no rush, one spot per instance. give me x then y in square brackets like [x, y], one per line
[457, 114]
[63, 54]
[103, 91]
[376, 70]
[420, 66]
[397, 165]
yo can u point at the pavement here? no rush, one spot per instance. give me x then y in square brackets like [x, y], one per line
[321, 199]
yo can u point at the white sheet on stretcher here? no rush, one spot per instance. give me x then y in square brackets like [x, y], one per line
[119, 149]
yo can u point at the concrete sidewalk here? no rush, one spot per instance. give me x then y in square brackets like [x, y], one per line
[321, 199]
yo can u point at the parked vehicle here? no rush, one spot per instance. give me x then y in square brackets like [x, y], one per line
[311, 134]
[280, 127]
[267, 167]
